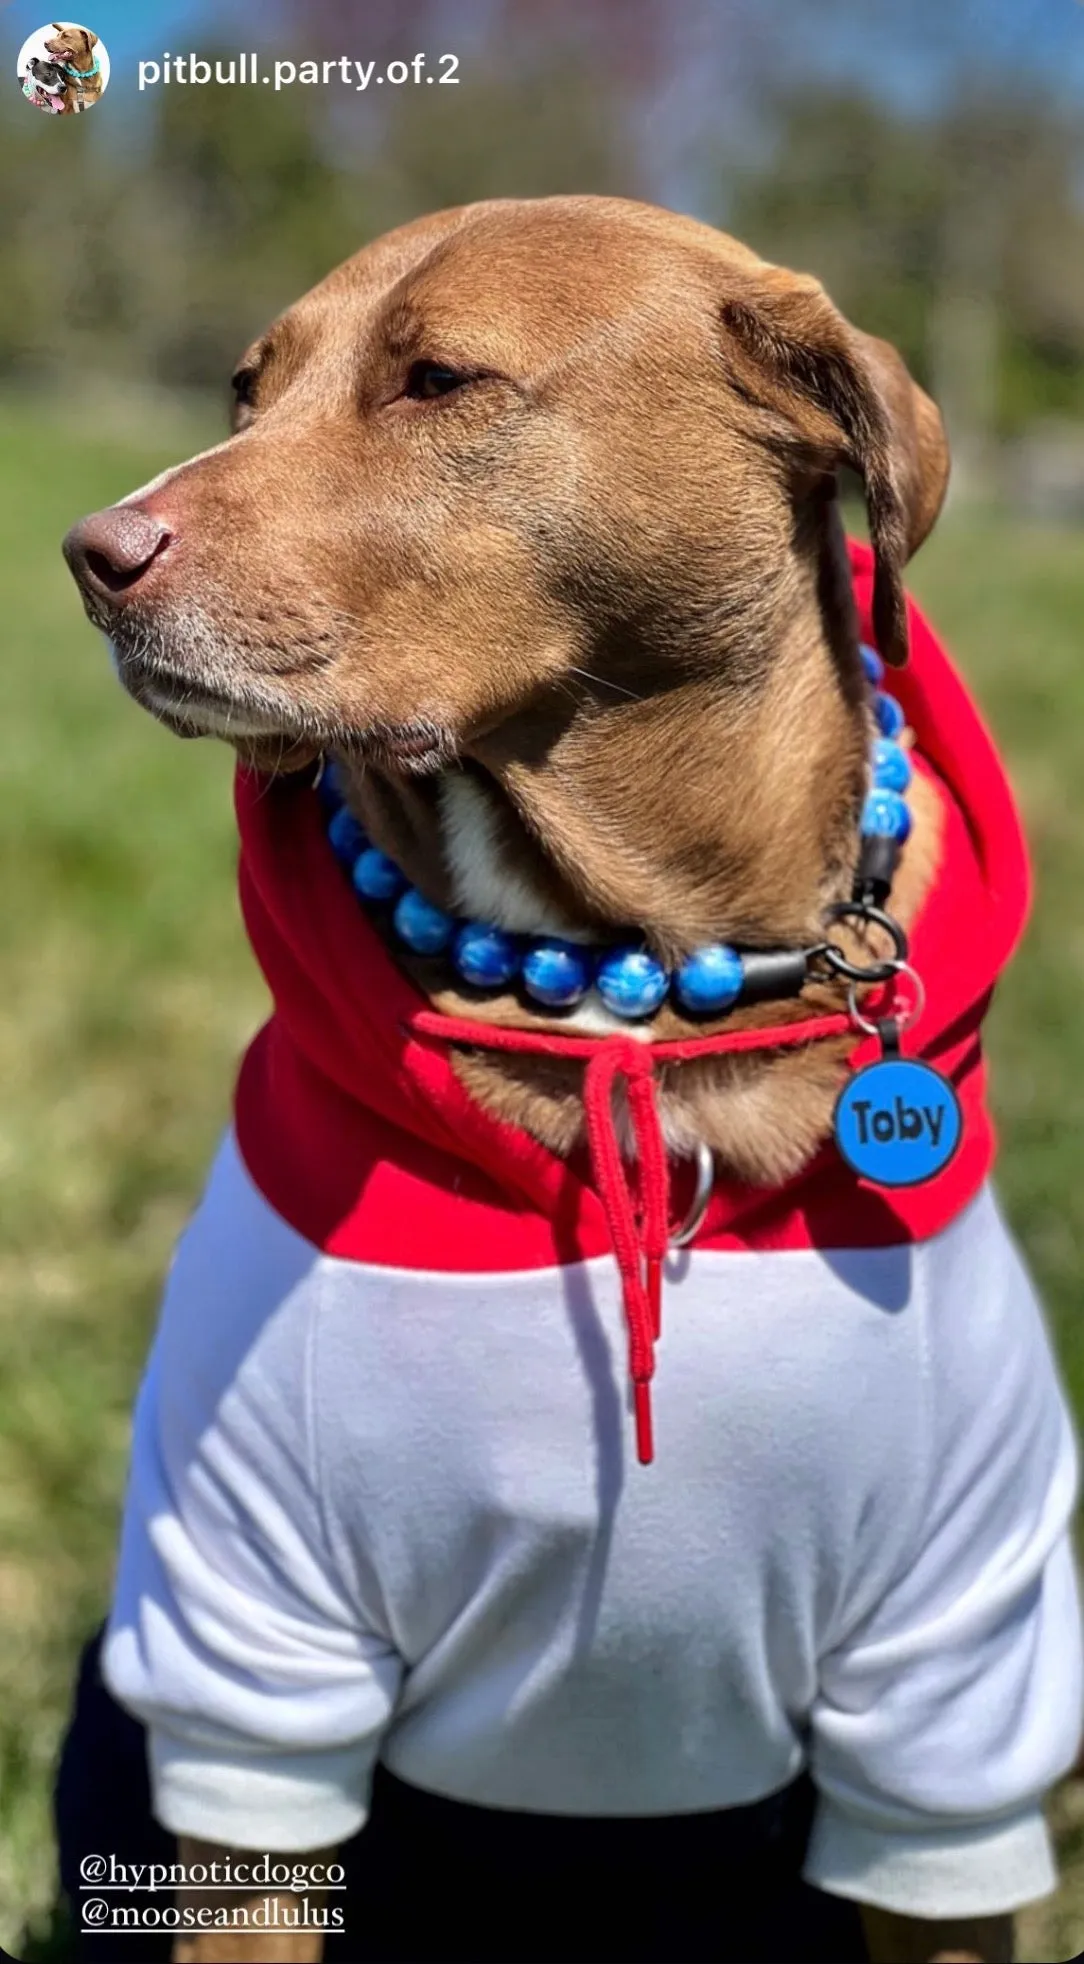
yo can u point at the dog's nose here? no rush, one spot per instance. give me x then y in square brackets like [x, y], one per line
[110, 551]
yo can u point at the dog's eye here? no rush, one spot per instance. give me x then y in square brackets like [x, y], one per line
[429, 379]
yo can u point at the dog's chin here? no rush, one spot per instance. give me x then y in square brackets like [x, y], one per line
[194, 692]
[276, 753]
[267, 736]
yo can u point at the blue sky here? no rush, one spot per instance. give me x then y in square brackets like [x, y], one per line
[127, 27]
[1043, 37]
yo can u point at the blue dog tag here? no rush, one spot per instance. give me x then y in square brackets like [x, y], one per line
[898, 1122]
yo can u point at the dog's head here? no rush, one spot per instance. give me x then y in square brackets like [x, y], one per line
[46, 74]
[497, 449]
[72, 44]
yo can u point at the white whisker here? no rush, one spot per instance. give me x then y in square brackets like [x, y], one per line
[605, 683]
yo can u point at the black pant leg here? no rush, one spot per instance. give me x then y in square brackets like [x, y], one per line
[102, 1807]
[434, 1881]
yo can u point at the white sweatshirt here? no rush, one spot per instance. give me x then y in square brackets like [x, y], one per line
[386, 1513]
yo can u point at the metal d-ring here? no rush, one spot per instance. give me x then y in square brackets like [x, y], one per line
[705, 1180]
[908, 1016]
[874, 971]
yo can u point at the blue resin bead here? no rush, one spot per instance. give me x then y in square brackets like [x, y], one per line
[557, 973]
[710, 979]
[873, 665]
[889, 716]
[425, 928]
[377, 877]
[346, 836]
[486, 956]
[631, 982]
[885, 816]
[891, 766]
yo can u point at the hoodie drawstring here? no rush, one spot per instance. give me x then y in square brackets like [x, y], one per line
[637, 1217]
[639, 1227]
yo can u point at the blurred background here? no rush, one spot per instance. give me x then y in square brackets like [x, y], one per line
[927, 161]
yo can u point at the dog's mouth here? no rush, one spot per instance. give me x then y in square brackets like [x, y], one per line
[264, 739]
[195, 707]
[270, 730]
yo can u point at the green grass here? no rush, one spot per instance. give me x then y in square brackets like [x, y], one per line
[127, 990]
[127, 993]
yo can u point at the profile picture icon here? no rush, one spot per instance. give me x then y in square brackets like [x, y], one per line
[63, 68]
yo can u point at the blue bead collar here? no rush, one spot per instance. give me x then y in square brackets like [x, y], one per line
[632, 984]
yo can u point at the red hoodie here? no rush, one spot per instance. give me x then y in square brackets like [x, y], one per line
[357, 1131]
[380, 1507]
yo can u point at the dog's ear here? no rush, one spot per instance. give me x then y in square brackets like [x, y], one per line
[92, 40]
[838, 396]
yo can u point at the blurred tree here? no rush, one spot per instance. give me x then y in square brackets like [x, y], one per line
[165, 265]
[991, 89]
[630, 87]
[512, 137]
[242, 210]
[923, 161]
[958, 236]
[532, 111]
[851, 194]
[63, 263]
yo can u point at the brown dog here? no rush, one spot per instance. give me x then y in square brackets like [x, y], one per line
[74, 48]
[490, 560]
[560, 579]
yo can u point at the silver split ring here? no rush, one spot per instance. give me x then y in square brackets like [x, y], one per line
[910, 1014]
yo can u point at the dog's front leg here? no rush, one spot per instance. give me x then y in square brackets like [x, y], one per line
[892, 1939]
[276, 1931]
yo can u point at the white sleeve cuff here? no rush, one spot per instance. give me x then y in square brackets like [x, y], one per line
[291, 1802]
[949, 1872]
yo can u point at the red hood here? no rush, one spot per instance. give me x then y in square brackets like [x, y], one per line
[355, 1127]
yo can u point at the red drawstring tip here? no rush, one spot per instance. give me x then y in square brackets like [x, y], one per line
[645, 1433]
[654, 1294]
